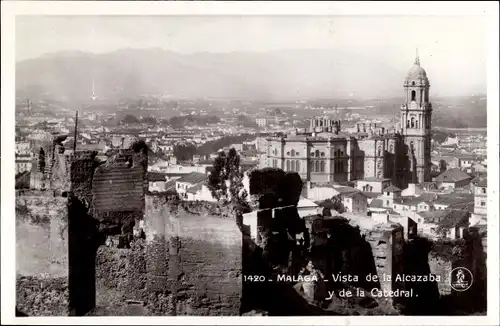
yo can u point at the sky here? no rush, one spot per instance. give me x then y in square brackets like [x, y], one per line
[453, 48]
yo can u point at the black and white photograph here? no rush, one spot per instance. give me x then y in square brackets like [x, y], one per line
[250, 165]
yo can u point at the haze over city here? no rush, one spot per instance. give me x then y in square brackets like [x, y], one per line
[348, 48]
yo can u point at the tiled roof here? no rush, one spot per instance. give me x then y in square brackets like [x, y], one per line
[455, 218]
[480, 181]
[411, 200]
[157, 176]
[391, 188]
[194, 189]
[454, 199]
[170, 185]
[433, 216]
[452, 175]
[345, 190]
[352, 194]
[193, 178]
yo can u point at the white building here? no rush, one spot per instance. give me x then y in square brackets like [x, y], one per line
[188, 181]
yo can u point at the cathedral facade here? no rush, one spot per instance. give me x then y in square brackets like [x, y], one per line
[327, 154]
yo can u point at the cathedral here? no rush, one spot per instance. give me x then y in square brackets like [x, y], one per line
[371, 154]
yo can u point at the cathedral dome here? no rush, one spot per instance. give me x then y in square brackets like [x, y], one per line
[417, 74]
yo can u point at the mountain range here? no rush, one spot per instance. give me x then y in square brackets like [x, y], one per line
[283, 74]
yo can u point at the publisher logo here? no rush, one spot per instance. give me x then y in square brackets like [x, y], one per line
[461, 279]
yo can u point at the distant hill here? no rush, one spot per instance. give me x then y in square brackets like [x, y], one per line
[284, 74]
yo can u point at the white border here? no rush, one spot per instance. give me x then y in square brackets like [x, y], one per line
[9, 9]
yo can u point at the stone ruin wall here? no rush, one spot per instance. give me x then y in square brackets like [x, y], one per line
[42, 255]
[186, 265]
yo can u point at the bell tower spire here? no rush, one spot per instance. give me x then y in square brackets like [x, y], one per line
[417, 59]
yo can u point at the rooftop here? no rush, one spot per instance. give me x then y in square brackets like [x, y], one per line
[193, 178]
[452, 175]
[391, 188]
[157, 176]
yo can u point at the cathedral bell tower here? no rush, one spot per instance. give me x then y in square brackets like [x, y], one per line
[416, 115]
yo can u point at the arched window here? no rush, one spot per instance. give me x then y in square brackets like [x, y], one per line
[416, 124]
[293, 166]
[297, 165]
[293, 152]
[287, 165]
[483, 190]
[41, 160]
[379, 151]
[317, 153]
[322, 166]
[412, 123]
[412, 83]
[313, 166]
[317, 167]
[413, 95]
[391, 148]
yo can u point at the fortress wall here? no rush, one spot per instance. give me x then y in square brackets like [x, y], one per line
[42, 255]
[187, 265]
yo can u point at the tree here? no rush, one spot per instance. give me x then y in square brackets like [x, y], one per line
[442, 166]
[149, 120]
[184, 152]
[334, 203]
[226, 180]
[129, 118]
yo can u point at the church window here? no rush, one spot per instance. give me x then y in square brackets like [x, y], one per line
[412, 123]
[312, 154]
[413, 95]
[322, 154]
[416, 124]
[317, 153]
[287, 153]
[297, 154]
[379, 151]
[322, 166]
[297, 165]
[391, 148]
[483, 190]
[317, 167]
[293, 152]
[293, 166]
[287, 165]
[412, 83]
